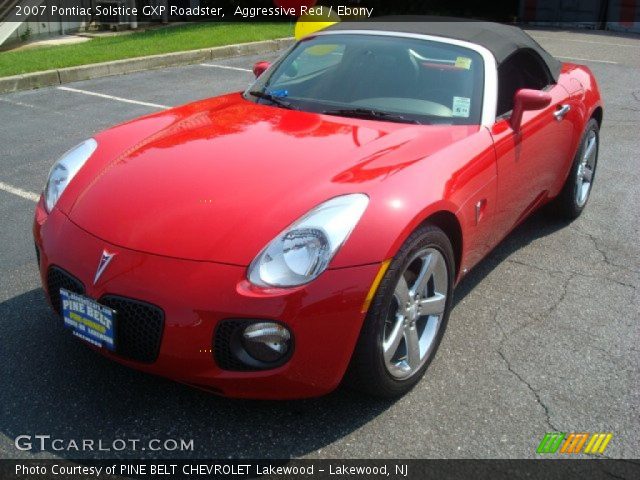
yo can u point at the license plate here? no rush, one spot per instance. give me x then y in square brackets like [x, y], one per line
[88, 320]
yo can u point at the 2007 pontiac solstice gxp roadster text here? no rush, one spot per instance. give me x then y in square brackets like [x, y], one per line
[273, 242]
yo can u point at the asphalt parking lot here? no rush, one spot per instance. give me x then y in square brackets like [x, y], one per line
[544, 334]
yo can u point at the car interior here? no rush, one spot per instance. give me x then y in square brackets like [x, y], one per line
[523, 69]
[396, 77]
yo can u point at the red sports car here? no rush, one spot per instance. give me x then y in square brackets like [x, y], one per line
[274, 242]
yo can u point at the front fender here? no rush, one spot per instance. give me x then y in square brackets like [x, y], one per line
[451, 180]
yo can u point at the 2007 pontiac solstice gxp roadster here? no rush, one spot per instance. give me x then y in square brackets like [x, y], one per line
[271, 243]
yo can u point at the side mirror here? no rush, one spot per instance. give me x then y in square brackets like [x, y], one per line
[527, 99]
[260, 67]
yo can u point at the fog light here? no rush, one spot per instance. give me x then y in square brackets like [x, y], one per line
[266, 341]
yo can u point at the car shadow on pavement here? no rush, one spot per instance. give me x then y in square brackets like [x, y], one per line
[53, 385]
[539, 225]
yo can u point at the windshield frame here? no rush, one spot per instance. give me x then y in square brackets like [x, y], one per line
[490, 87]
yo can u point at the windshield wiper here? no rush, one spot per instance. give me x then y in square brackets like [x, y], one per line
[273, 99]
[372, 113]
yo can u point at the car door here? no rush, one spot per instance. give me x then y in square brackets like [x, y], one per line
[530, 160]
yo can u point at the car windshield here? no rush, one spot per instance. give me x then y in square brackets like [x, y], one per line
[377, 76]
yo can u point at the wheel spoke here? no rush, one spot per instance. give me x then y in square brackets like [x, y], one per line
[402, 293]
[418, 306]
[391, 344]
[590, 150]
[585, 191]
[584, 177]
[433, 305]
[413, 347]
[429, 264]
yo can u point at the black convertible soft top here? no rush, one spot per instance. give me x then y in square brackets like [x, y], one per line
[500, 39]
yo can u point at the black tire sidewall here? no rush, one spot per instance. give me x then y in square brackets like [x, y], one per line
[379, 381]
[566, 201]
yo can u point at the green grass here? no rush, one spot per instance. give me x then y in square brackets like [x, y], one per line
[152, 42]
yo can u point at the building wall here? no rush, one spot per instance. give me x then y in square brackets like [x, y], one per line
[53, 25]
[619, 15]
[624, 16]
[48, 25]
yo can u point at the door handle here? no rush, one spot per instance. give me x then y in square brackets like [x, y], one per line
[561, 111]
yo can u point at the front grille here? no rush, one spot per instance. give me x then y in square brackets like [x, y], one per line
[139, 327]
[57, 279]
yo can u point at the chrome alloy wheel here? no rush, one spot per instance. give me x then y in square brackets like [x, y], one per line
[415, 316]
[586, 168]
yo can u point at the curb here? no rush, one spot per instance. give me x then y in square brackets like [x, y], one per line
[60, 76]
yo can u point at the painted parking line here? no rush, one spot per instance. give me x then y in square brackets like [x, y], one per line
[112, 97]
[586, 59]
[16, 103]
[226, 67]
[34, 197]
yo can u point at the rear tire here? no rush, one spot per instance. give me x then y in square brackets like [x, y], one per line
[574, 195]
[407, 317]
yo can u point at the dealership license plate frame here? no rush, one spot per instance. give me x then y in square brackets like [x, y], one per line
[89, 320]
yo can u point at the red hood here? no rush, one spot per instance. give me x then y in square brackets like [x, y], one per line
[217, 179]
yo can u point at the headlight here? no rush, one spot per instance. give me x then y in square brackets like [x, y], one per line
[303, 251]
[65, 169]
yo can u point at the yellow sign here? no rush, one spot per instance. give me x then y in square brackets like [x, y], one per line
[310, 23]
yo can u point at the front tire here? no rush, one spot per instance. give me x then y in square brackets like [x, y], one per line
[407, 317]
[571, 201]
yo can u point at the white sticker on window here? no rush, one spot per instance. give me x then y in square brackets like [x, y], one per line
[461, 106]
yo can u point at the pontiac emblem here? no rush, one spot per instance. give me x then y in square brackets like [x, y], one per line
[105, 259]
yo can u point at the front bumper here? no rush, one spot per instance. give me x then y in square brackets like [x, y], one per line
[324, 316]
